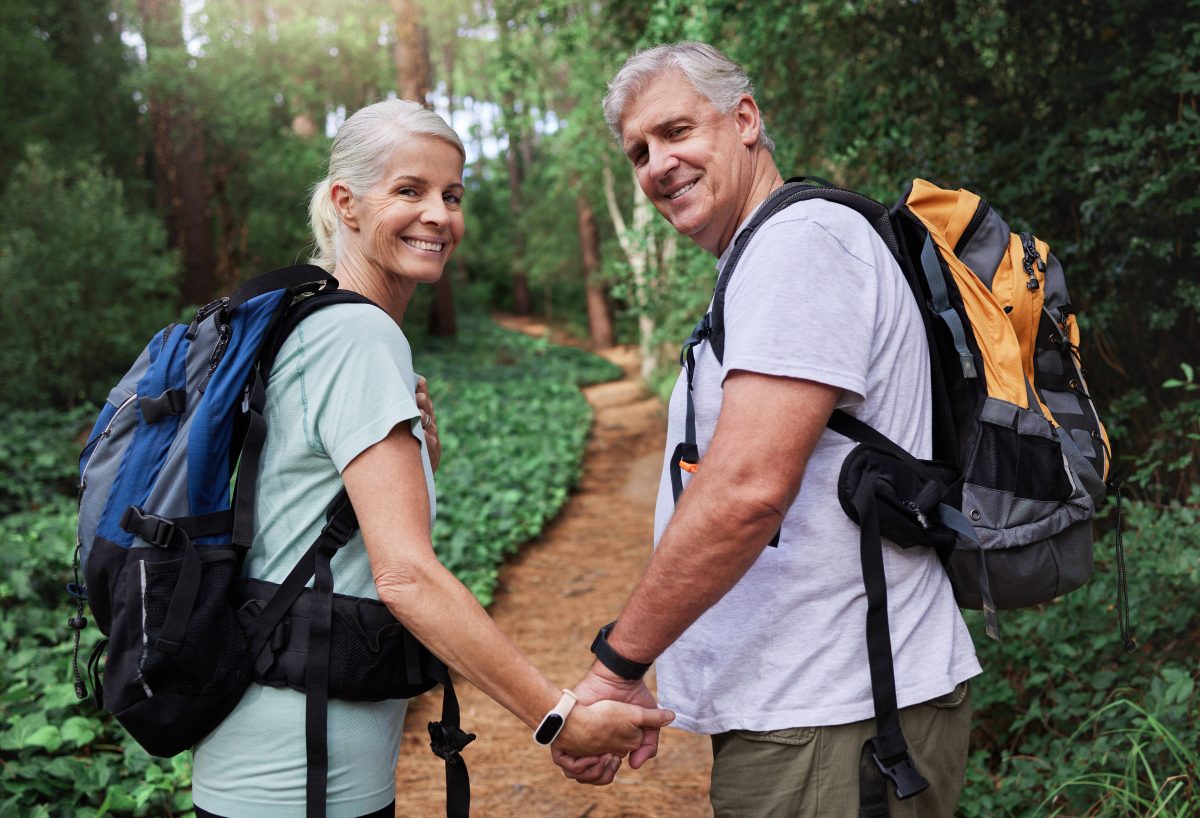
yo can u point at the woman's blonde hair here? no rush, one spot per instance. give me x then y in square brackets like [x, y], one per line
[359, 157]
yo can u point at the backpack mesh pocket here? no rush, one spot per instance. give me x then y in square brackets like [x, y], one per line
[212, 655]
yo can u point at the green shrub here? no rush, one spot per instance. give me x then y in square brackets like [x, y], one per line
[38, 451]
[86, 283]
[513, 426]
[1064, 718]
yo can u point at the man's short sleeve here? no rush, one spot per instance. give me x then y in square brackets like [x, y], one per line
[358, 379]
[802, 302]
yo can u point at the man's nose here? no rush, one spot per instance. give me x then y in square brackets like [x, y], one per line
[660, 161]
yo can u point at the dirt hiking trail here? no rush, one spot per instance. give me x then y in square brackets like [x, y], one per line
[551, 598]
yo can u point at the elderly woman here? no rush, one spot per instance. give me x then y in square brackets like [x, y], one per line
[343, 410]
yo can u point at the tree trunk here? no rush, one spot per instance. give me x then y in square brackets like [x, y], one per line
[516, 178]
[181, 185]
[411, 53]
[645, 260]
[600, 329]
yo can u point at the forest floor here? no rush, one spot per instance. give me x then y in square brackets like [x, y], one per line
[551, 598]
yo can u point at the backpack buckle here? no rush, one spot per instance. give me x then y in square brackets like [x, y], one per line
[901, 771]
[155, 530]
[448, 740]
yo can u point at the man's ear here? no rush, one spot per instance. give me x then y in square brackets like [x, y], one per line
[749, 122]
[344, 204]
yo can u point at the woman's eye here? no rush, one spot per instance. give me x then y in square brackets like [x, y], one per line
[407, 191]
[452, 198]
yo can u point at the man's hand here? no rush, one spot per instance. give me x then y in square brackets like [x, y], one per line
[429, 420]
[597, 684]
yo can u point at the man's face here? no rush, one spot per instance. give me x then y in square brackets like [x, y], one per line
[691, 161]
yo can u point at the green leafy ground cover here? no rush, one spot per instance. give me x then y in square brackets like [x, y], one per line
[513, 430]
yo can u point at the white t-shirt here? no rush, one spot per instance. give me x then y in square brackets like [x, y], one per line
[342, 380]
[816, 295]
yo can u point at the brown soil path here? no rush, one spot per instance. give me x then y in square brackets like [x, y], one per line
[551, 598]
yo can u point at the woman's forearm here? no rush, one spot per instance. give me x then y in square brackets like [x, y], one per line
[448, 620]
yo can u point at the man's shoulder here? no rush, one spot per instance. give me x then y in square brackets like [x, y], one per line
[816, 226]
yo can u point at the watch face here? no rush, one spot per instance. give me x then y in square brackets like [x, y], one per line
[548, 730]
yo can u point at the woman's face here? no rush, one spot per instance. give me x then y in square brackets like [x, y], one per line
[411, 220]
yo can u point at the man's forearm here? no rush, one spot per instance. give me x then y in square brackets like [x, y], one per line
[731, 509]
[703, 553]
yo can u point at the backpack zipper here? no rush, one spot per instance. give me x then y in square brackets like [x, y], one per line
[224, 331]
[95, 441]
[1031, 256]
[972, 226]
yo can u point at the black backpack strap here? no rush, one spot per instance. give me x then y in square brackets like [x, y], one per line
[298, 278]
[254, 402]
[886, 754]
[447, 740]
[794, 190]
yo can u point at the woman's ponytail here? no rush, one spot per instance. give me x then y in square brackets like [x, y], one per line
[324, 221]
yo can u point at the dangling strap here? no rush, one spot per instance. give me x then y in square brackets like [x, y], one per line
[1122, 585]
[447, 740]
[886, 755]
[686, 456]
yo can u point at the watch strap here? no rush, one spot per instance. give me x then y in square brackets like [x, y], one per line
[554, 721]
[625, 668]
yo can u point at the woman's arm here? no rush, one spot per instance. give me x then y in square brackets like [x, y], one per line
[386, 485]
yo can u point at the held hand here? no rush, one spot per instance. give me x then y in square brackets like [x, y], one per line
[601, 683]
[608, 727]
[429, 420]
[598, 684]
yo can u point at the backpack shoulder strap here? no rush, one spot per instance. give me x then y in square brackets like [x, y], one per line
[797, 189]
[255, 401]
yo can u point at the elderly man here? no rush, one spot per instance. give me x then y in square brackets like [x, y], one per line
[763, 647]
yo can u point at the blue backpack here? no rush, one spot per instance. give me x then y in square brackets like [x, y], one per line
[166, 515]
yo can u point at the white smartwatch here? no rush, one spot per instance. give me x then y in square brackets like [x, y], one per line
[552, 723]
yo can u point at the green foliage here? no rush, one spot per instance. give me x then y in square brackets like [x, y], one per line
[513, 426]
[1162, 469]
[62, 67]
[1066, 723]
[38, 451]
[86, 283]
[56, 756]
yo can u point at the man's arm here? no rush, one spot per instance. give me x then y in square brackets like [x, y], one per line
[731, 509]
[734, 504]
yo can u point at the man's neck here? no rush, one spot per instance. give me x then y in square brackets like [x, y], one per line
[765, 178]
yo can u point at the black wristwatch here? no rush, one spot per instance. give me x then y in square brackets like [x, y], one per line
[625, 668]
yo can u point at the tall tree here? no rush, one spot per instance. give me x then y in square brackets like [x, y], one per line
[181, 183]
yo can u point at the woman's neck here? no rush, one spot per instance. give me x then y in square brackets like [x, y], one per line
[366, 277]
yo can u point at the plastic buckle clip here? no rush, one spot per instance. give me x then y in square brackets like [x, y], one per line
[447, 741]
[155, 530]
[903, 774]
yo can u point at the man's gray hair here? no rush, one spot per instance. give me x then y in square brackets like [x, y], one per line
[714, 76]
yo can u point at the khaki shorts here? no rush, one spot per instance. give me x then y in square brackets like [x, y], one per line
[812, 772]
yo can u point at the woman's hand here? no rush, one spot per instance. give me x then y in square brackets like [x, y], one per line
[429, 420]
[608, 727]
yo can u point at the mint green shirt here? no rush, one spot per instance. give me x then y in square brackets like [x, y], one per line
[341, 382]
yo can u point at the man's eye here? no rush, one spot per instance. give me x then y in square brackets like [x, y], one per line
[406, 191]
[677, 131]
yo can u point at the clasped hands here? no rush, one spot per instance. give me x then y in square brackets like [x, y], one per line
[616, 717]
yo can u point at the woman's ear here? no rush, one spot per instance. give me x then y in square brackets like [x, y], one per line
[344, 204]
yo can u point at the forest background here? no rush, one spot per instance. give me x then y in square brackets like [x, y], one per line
[155, 152]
